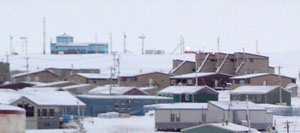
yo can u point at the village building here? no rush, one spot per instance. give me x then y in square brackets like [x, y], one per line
[181, 67]
[261, 79]
[116, 90]
[190, 93]
[128, 104]
[45, 110]
[262, 94]
[214, 80]
[66, 72]
[4, 72]
[58, 84]
[93, 78]
[236, 112]
[79, 89]
[150, 90]
[159, 79]
[177, 116]
[219, 128]
[44, 76]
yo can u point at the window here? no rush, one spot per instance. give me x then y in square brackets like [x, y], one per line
[116, 106]
[187, 97]
[150, 82]
[128, 106]
[122, 106]
[129, 79]
[242, 82]
[39, 112]
[51, 112]
[177, 117]
[29, 110]
[36, 79]
[20, 105]
[162, 80]
[259, 98]
[251, 60]
[190, 81]
[265, 82]
[172, 117]
[44, 112]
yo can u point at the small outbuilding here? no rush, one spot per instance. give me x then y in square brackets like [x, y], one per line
[261, 94]
[190, 93]
[219, 128]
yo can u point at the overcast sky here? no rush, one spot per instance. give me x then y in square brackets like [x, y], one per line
[275, 24]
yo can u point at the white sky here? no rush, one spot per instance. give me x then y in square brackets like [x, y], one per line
[239, 23]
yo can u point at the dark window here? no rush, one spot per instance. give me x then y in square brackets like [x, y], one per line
[128, 106]
[29, 110]
[20, 105]
[51, 112]
[44, 112]
[251, 59]
[39, 112]
[134, 78]
[172, 117]
[177, 117]
[116, 106]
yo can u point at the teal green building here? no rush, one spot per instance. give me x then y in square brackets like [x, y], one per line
[219, 128]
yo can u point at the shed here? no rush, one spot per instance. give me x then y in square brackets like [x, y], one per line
[219, 128]
[261, 94]
[177, 116]
[190, 93]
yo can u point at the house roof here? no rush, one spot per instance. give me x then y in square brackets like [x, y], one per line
[33, 72]
[38, 89]
[253, 89]
[4, 107]
[96, 76]
[141, 73]
[184, 89]
[236, 105]
[254, 75]
[182, 106]
[105, 90]
[55, 84]
[230, 127]
[193, 75]
[123, 97]
[77, 86]
[8, 97]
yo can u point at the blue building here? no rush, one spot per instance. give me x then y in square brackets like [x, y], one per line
[65, 45]
[129, 104]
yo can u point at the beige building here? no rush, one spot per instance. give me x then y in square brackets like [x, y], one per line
[266, 79]
[45, 76]
[159, 79]
[182, 67]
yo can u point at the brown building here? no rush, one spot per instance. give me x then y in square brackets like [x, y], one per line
[182, 67]
[159, 79]
[45, 76]
[235, 64]
[267, 79]
[214, 80]
[92, 78]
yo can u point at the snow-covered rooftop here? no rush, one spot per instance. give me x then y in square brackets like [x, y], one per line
[105, 90]
[96, 76]
[32, 72]
[141, 73]
[183, 89]
[8, 97]
[188, 106]
[76, 86]
[38, 89]
[4, 107]
[122, 97]
[236, 105]
[253, 89]
[230, 126]
[54, 84]
[250, 76]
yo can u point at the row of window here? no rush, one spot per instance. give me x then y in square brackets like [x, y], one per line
[122, 106]
[45, 112]
[175, 118]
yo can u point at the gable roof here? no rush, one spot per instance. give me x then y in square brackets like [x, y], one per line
[201, 74]
[34, 72]
[230, 127]
[255, 75]
[141, 73]
[236, 105]
[115, 90]
[253, 89]
[184, 89]
[95, 76]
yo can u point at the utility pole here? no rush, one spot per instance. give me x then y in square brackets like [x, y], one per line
[142, 37]
[124, 44]
[257, 48]
[7, 58]
[114, 63]
[279, 83]
[118, 64]
[24, 39]
[110, 80]
[10, 43]
[287, 125]
[44, 35]
[196, 67]
[110, 43]
[27, 64]
[248, 114]
[218, 42]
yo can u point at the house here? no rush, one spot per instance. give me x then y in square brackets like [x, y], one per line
[219, 128]
[214, 80]
[261, 94]
[158, 79]
[66, 72]
[190, 93]
[65, 45]
[18, 85]
[116, 90]
[129, 104]
[238, 63]
[45, 76]
[46, 110]
[177, 116]
[261, 79]
[236, 112]
[93, 78]
[181, 67]
[4, 72]
[58, 84]
[78, 89]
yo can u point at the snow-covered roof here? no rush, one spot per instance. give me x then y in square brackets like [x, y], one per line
[76, 86]
[193, 75]
[105, 90]
[184, 106]
[247, 76]
[38, 89]
[230, 127]
[96, 76]
[54, 84]
[53, 98]
[295, 102]
[236, 105]
[32, 72]
[8, 97]
[183, 89]
[253, 89]
[4, 107]
[123, 97]
[141, 73]
[148, 88]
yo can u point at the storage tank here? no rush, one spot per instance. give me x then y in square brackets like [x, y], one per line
[12, 119]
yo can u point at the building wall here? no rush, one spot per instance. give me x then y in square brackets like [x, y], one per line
[64, 73]
[187, 67]
[188, 118]
[273, 97]
[271, 80]
[4, 72]
[77, 79]
[44, 76]
[209, 129]
[102, 82]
